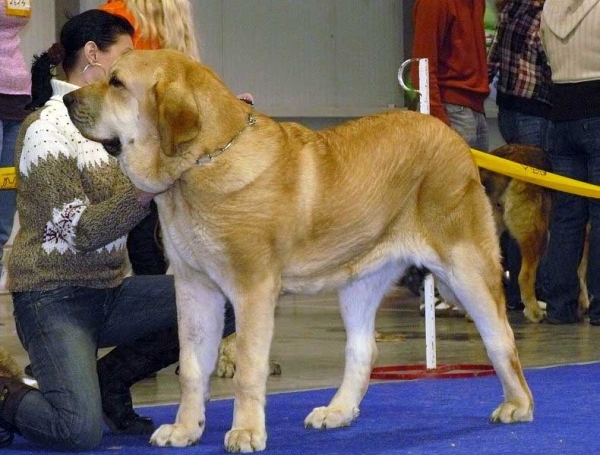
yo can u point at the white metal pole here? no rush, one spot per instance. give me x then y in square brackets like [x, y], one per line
[428, 283]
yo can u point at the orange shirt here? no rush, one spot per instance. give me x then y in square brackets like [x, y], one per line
[118, 8]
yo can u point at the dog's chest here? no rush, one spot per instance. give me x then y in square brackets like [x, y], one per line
[187, 237]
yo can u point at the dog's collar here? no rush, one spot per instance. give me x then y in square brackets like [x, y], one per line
[205, 159]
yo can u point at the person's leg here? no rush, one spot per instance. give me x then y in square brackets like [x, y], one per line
[8, 135]
[518, 128]
[124, 366]
[143, 325]
[590, 131]
[59, 330]
[567, 227]
[471, 125]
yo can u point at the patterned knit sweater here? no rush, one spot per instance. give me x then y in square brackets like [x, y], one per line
[75, 206]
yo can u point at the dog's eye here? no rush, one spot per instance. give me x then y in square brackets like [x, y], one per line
[115, 82]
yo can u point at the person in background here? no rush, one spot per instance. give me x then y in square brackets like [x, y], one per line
[15, 89]
[569, 31]
[451, 35]
[70, 296]
[518, 63]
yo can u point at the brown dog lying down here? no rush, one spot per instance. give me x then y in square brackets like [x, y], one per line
[251, 208]
[524, 210]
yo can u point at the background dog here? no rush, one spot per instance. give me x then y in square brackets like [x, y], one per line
[251, 208]
[524, 210]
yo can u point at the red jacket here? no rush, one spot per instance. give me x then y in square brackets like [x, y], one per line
[450, 34]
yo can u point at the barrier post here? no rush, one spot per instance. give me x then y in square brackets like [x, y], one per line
[428, 283]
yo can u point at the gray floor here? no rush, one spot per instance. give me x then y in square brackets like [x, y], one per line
[309, 344]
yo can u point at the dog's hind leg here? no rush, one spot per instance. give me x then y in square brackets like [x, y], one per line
[200, 309]
[475, 278]
[255, 320]
[359, 301]
[530, 253]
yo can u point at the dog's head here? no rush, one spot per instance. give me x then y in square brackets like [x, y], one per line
[150, 112]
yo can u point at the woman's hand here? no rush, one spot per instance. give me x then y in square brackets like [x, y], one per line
[144, 197]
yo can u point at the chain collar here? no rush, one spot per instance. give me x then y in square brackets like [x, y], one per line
[206, 159]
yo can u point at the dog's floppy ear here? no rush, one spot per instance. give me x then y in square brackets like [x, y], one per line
[178, 117]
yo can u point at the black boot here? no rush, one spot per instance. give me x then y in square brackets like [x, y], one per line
[124, 366]
[12, 392]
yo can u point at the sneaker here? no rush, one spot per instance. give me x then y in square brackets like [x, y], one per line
[443, 309]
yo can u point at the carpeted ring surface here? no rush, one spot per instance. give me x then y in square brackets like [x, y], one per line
[431, 416]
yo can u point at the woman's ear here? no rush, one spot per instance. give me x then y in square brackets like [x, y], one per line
[90, 51]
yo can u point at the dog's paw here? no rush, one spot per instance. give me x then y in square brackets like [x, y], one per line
[535, 314]
[509, 412]
[225, 368]
[328, 417]
[175, 435]
[227, 356]
[237, 440]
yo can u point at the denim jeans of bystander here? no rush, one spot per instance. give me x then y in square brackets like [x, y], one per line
[471, 125]
[574, 151]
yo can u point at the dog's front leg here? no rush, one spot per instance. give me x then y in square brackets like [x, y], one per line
[255, 314]
[200, 324]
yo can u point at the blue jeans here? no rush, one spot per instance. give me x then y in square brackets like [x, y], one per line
[517, 128]
[9, 130]
[62, 330]
[574, 151]
[471, 125]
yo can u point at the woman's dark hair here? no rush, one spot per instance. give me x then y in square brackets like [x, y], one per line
[95, 25]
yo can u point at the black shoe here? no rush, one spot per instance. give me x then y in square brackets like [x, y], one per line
[515, 305]
[595, 322]
[120, 417]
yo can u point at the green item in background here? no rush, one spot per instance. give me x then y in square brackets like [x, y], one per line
[490, 22]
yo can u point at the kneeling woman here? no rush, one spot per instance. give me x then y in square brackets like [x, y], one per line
[68, 263]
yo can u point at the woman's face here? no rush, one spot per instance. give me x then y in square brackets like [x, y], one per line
[108, 57]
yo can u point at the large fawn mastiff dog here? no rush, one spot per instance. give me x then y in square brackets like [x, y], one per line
[251, 208]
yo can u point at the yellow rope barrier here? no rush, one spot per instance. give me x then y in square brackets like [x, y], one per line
[8, 176]
[534, 175]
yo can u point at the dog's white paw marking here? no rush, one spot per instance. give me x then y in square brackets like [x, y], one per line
[245, 441]
[328, 417]
[175, 435]
[509, 412]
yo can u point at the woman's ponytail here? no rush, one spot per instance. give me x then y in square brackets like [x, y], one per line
[42, 72]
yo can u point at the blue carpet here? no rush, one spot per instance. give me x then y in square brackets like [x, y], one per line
[431, 416]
